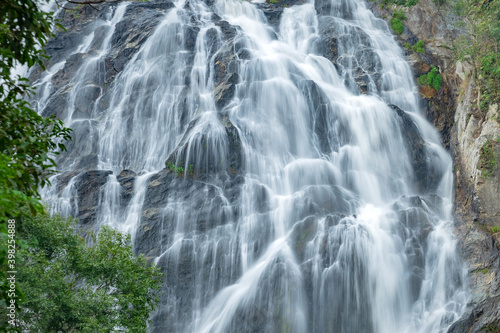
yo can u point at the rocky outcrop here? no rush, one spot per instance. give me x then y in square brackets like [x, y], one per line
[437, 29]
[465, 131]
[477, 213]
[426, 178]
[85, 192]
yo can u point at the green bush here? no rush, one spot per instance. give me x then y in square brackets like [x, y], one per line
[495, 229]
[484, 270]
[397, 26]
[396, 21]
[399, 14]
[431, 79]
[179, 170]
[72, 287]
[419, 47]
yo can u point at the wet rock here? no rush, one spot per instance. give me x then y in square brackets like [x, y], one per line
[324, 117]
[84, 142]
[126, 178]
[225, 68]
[303, 232]
[84, 101]
[207, 162]
[88, 185]
[227, 29]
[426, 178]
[87, 162]
[272, 12]
[327, 44]
[235, 154]
[158, 221]
[438, 28]
[139, 22]
[321, 201]
[224, 92]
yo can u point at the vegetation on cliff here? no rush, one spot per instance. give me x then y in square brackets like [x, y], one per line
[481, 46]
[431, 79]
[27, 140]
[398, 16]
[56, 283]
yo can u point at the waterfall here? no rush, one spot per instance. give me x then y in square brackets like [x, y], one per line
[277, 170]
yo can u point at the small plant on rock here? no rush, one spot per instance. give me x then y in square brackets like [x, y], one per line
[419, 47]
[396, 21]
[431, 79]
[177, 170]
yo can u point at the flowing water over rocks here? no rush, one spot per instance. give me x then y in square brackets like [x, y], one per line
[270, 158]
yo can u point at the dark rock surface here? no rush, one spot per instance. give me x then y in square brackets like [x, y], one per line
[426, 178]
[87, 188]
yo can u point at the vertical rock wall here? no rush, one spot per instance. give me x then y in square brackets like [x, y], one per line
[465, 130]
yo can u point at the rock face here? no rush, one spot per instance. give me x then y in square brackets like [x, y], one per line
[438, 30]
[465, 130]
[426, 178]
[477, 210]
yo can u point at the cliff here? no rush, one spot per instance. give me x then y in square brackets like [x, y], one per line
[472, 137]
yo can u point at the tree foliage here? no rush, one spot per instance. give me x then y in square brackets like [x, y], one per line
[27, 140]
[70, 286]
[431, 79]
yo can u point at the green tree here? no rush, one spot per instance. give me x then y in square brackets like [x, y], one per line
[72, 287]
[27, 140]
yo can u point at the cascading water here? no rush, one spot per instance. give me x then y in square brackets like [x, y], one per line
[306, 201]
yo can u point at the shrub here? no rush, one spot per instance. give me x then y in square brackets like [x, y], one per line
[495, 229]
[72, 287]
[431, 79]
[439, 2]
[484, 270]
[396, 21]
[419, 47]
[397, 26]
[399, 14]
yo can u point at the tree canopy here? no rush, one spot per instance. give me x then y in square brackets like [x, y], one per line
[27, 140]
[70, 286]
